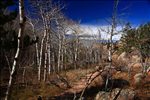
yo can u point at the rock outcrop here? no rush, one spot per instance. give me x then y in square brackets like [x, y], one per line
[116, 94]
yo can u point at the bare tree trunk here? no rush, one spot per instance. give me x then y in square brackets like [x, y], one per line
[42, 44]
[111, 41]
[46, 48]
[59, 46]
[49, 58]
[37, 53]
[62, 52]
[62, 58]
[41, 54]
[21, 29]
[76, 52]
[75, 58]
[65, 60]
[53, 58]
[45, 62]
[59, 50]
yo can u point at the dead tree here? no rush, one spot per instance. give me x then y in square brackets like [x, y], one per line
[76, 30]
[22, 19]
[112, 32]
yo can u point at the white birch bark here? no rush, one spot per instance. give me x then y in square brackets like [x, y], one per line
[22, 24]
[53, 58]
[46, 48]
[59, 46]
[111, 41]
[49, 58]
[42, 44]
[65, 60]
[59, 50]
[45, 62]
[76, 51]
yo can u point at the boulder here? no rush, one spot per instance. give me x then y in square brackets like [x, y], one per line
[135, 58]
[123, 57]
[116, 94]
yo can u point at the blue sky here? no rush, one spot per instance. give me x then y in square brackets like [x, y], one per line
[93, 12]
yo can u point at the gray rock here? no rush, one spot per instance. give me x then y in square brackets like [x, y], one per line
[124, 94]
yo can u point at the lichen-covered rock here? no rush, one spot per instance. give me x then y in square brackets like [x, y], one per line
[118, 94]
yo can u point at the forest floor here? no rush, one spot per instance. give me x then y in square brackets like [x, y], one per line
[57, 84]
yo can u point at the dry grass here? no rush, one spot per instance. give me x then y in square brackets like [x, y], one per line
[32, 91]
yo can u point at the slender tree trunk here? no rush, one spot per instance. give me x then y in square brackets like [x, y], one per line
[111, 41]
[41, 54]
[59, 46]
[65, 58]
[53, 58]
[59, 51]
[37, 53]
[75, 58]
[21, 29]
[42, 44]
[49, 58]
[46, 48]
[49, 43]
[62, 58]
[62, 52]
[45, 62]
[76, 53]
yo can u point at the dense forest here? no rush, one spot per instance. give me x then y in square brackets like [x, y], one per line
[44, 55]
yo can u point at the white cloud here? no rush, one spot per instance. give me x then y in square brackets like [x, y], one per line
[93, 31]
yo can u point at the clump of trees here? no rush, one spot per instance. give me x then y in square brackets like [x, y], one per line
[137, 39]
[39, 35]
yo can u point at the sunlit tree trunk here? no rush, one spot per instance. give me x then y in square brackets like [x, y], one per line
[59, 46]
[65, 58]
[53, 59]
[110, 40]
[49, 57]
[62, 51]
[46, 56]
[42, 44]
[21, 29]
[76, 50]
[46, 49]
